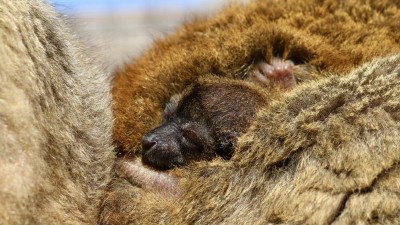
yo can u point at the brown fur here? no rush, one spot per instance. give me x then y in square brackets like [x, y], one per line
[55, 121]
[330, 35]
[328, 152]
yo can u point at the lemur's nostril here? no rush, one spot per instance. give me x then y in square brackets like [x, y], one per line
[147, 142]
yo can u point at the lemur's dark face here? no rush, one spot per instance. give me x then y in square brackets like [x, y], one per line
[183, 136]
[202, 123]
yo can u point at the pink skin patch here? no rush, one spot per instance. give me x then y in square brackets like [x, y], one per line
[278, 72]
[154, 181]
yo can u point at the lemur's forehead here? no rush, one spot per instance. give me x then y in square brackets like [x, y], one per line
[187, 105]
[172, 106]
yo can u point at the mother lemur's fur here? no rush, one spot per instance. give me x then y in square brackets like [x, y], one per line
[55, 120]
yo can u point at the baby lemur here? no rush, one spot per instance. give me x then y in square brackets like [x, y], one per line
[206, 119]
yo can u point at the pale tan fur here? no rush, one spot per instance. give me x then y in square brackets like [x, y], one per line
[55, 120]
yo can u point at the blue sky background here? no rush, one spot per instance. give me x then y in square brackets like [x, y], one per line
[78, 6]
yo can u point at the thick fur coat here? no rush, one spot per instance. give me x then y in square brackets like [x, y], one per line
[330, 35]
[55, 120]
[326, 152]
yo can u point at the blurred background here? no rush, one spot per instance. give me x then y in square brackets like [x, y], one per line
[120, 30]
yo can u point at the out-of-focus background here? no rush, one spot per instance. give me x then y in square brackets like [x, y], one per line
[120, 30]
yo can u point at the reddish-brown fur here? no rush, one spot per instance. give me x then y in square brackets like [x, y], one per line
[329, 35]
